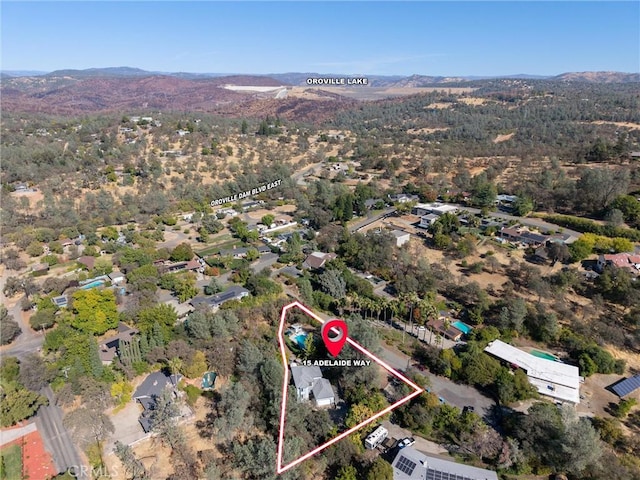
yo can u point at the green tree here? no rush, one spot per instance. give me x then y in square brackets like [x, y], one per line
[347, 472]
[95, 311]
[267, 219]
[163, 315]
[522, 206]
[18, 403]
[182, 253]
[380, 470]
[213, 287]
[9, 328]
[34, 249]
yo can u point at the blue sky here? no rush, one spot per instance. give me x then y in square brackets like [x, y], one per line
[428, 38]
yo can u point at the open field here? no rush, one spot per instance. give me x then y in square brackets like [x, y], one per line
[11, 462]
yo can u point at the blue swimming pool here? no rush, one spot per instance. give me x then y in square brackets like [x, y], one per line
[463, 327]
[545, 355]
[299, 339]
[97, 283]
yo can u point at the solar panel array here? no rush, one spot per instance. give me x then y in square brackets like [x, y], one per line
[438, 475]
[627, 386]
[406, 466]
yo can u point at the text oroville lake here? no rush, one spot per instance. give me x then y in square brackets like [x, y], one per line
[337, 363]
[248, 193]
[338, 81]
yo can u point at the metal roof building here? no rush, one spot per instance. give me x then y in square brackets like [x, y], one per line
[553, 379]
[410, 464]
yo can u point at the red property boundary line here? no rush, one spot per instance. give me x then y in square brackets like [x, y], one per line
[283, 468]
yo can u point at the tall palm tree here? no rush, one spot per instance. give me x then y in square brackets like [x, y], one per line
[394, 306]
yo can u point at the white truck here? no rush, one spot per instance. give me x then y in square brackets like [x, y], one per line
[375, 438]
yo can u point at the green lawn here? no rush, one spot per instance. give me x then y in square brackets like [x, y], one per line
[11, 462]
[213, 249]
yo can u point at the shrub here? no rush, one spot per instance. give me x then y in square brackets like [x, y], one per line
[193, 393]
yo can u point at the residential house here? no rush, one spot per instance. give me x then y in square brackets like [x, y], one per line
[435, 208]
[410, 464]
[401, 237]
[304, 378]
[110, 347]
[427, 220]
[506, 200]
[235, 292]
[308, 380]
[61, 301]
[240, 252]
[171, 267]
[403, 198]
[317, 260]
[323, 393]
[444, 326]
[149, 390]
[551, 378]
[566, 238]
[87, 261]
[629, 261]
[251, 204]
[66, 243]
[116, 278]
[40, 268]
[532, 238]
[373, 203]
[523, 236]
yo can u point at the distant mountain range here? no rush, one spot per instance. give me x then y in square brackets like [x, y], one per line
[72, 92]
[299, 78]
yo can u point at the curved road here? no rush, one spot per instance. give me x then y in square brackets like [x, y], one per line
[28, 341]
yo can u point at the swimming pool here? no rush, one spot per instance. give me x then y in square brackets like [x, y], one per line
[208, 380]
[299, 339]
[97, 283]
[545, 355]
[463, 327]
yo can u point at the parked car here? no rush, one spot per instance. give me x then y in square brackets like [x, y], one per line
[406, 442]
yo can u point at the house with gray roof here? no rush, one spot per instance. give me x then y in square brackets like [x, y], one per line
[323, 393]
[410, 464]
[234, 292]
[307, 380]
[148, 392]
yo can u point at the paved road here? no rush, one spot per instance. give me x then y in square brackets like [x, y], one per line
[12, 434]
[56, 438]
[28, 341]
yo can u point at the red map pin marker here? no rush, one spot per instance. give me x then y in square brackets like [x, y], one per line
[334, 344]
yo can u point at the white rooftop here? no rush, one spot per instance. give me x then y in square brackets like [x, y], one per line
[554, 379]
[436, 207]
